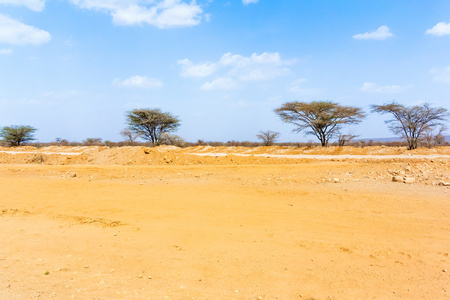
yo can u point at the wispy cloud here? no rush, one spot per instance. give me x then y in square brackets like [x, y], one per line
[387, 89]
[16, 33]
[162, 14]
[221, 83]
[439, 29]
[5, 51]
[249, 1]
[239, 68]
[139, 82]
[382, 33]
[36, 5]
[188, 69]
[257, 67]
[441, 74]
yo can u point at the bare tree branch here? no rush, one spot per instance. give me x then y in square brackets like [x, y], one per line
[268, 137]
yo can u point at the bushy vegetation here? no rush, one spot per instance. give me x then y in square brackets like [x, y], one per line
[17, 135]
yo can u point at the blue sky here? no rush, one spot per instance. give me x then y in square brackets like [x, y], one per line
[73, 68]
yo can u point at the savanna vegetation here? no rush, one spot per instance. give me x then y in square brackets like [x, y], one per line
[419, 125]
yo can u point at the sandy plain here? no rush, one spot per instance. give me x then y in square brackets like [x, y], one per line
[224, 223]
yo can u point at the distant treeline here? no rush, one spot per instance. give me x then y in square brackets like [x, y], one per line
[357, 144]
[416, 126]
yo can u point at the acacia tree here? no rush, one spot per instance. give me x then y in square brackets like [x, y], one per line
[344, 139]
[150, 124]
[129, 135]
[323, 119]
[412, 122]
[17, 135]
[268, 137]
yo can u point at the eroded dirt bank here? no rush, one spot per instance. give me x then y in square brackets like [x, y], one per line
[223, 228]
[201, 155]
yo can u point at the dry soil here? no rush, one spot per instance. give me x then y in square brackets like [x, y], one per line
[232, 223]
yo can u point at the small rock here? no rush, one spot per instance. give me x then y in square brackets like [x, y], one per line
[442, 183]
[397, 179]
[445, 270]
[409, 180]
[73, 174]
[336, 180]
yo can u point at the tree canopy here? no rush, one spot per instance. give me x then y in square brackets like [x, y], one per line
[323, 119]
[16, 135]
[412, 122]
[268, 137]
[150, 124]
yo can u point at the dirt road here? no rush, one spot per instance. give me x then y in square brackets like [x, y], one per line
[273, 230]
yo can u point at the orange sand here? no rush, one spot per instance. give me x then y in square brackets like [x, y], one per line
[160, 223]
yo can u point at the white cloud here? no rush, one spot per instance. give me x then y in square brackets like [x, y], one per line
[388, 89]
[221, 83]
[442, 74]
[36, 5]
[439, 29]
[239, 60]
[103, 4]
[262, 67]
[5, 51]
[16, 33]
[140, 82]
[249, 1]
[256, 67]
[382, 33]
[162, 14]
[188, 69]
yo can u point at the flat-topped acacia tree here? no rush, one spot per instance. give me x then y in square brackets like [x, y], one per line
[150, 124]
[323, 119]
[16, 135]
[412, 122]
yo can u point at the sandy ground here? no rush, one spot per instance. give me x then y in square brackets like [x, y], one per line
[161, 223]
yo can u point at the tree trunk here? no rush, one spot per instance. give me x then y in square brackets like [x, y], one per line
[412, 144]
